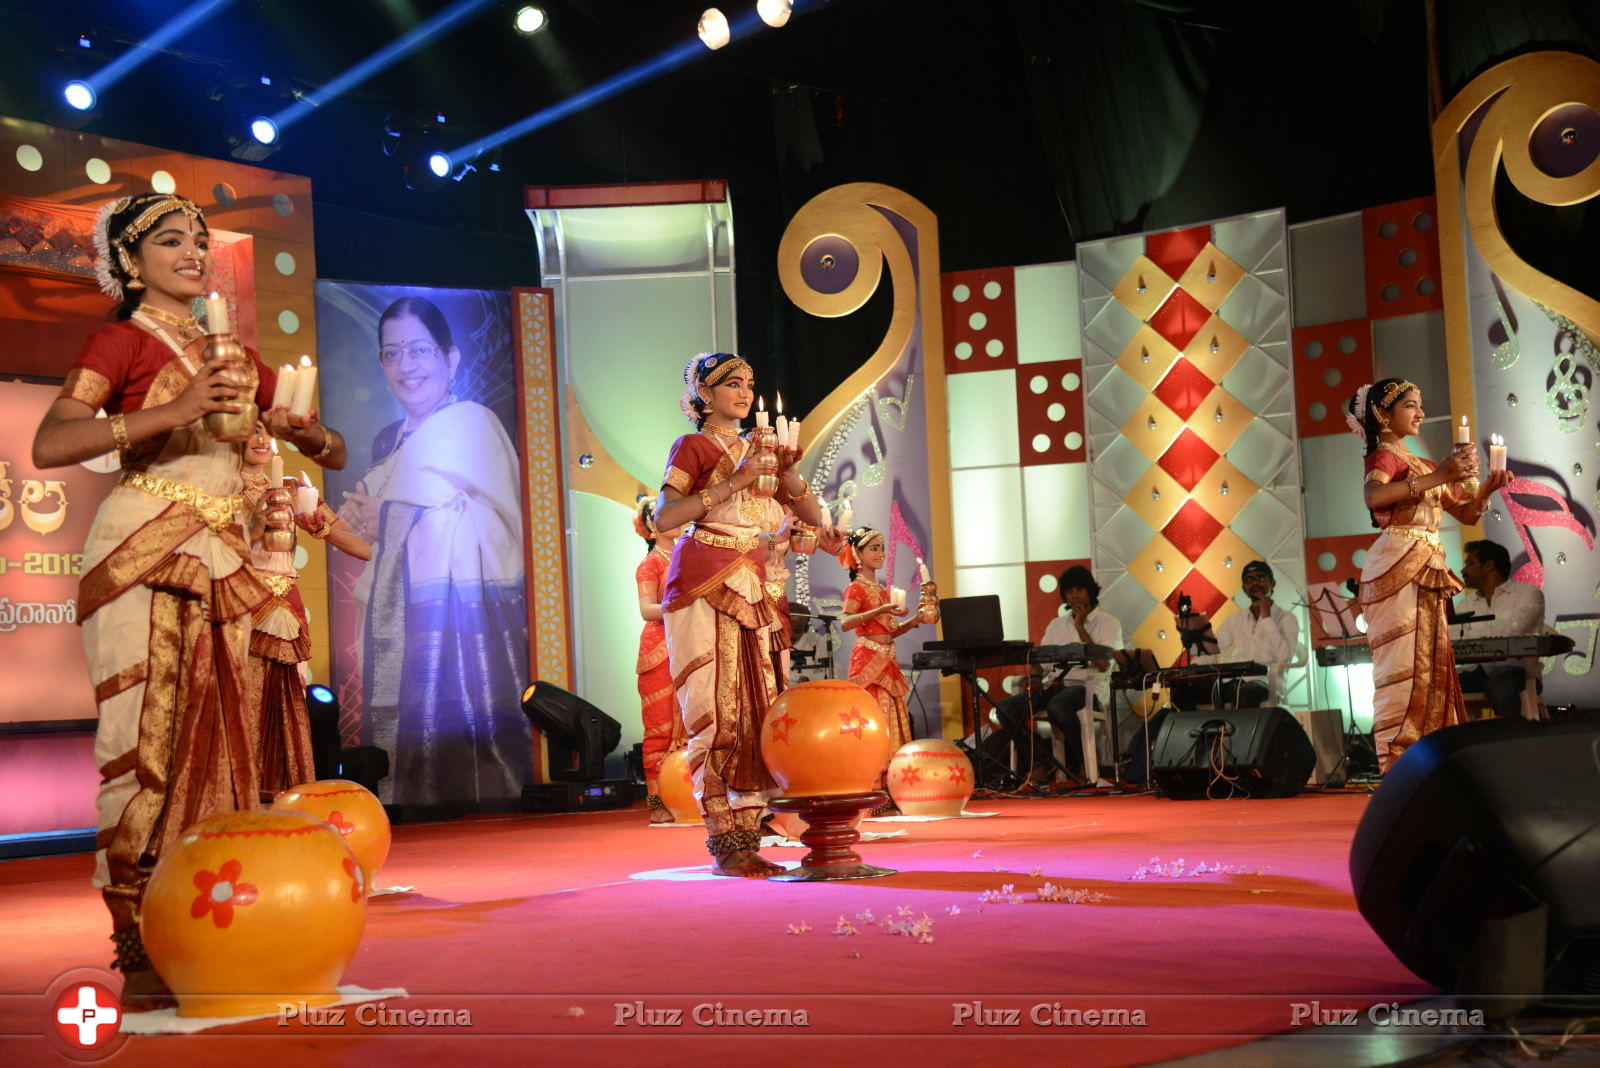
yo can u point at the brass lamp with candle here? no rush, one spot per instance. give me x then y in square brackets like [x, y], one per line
[803, 539]
[223, 346]
[1463, 445]
[278, 537]
[764, 440]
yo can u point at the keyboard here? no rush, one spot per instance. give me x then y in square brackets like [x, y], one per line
[1073, 653]
[1467, 650]
[941, 656]
[1238, 669]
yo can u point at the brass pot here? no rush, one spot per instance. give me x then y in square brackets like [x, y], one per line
[765, 486]
[231, 426]
[279, 535]
[803, 542]
[928, 612]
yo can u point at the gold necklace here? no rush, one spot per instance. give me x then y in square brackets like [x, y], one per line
[721, 431]
[187, 328]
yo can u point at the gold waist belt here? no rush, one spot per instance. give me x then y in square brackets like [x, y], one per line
[280, 585]
[218, 512]
[1422, 534]
[886, 644]
[742, 543]
[775, 592]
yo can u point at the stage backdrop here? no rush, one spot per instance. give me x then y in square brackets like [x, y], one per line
[430, 638]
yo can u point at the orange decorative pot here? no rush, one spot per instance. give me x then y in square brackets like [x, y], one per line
[677, 787]
[252, 910]
[825, 739]
[353, 810]
[930, 777]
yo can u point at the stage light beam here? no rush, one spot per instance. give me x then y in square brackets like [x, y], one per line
[264, 130]
[182, 23]
[381, 60]
[530, 20]
[713, 29]
[439, 164]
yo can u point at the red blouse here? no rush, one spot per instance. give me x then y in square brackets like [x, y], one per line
[120, 370]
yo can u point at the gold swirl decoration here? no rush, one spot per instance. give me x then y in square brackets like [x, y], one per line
[1514, 105]
[848, 222]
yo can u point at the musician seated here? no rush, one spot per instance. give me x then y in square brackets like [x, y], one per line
[810, 659]
[1264, 633]
[1069, 697]
[1517, 608]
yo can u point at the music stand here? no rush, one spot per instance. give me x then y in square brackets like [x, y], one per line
[1337, 611]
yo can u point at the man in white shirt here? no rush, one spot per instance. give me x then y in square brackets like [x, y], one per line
[1264, 633]
[1069, 697]
[811, 655]
[1517, 609]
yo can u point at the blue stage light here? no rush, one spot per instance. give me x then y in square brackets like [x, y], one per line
[151, 46]
[439, 164]
[321, 693]
[530, 20]
[80, 95]
[264, 130]
[380, 60]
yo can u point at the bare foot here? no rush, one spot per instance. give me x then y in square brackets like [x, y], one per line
[145, 991]
[659, 816]
[745, 864]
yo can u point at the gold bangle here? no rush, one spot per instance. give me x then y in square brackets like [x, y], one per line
[706, 501]
[329, 435]
[119, 432]
[1411, 484]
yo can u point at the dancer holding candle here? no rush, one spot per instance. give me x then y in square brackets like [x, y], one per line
[658, 702]
[716, 608]
[1406, 583]
[280, 642]
[165, 599]
[867, 607]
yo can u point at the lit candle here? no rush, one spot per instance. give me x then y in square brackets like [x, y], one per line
[761, 412]
[1463, 432]
[827, 516]
[1497, 453]
[305, 496]
[846, 514]
[217, 315]
[305, 388]
[783, 425]
[922, 569]
[283, 395]
[275, 468]
[794, 433]
[897, 597]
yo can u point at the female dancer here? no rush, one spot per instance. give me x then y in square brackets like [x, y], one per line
[166, 599]
[872, 662]
[658, 704]
[716, 609]
[279, 640]
[1406, 583]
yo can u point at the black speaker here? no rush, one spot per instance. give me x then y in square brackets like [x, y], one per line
[1259, 752]
[579, 734]
[1476, 859]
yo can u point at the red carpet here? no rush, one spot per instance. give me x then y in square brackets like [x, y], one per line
[520, 921]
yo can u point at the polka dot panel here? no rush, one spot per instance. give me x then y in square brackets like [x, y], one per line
[1400, 253]
[1037, 412]
[1345, 349]
[1346, 553]
[1043, 604]
[983, 327]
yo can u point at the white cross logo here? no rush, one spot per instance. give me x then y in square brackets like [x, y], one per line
[87, 1016]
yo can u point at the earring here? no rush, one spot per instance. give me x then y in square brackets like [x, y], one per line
[135, 283]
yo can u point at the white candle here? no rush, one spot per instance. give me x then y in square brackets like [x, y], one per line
[217, 314]
[305, 387]
[794, 433]
[922, 569]
[761, 412]
[283, 395]
[827, 516]
[275, 468]
[783, 425]
[1463, 432]
[305, 496]
[897, 597]
[846, 514]
[1497, 453]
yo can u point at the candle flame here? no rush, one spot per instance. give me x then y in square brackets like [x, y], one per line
[761, 404]
[305, 361]
[780, 404]
[274, 446]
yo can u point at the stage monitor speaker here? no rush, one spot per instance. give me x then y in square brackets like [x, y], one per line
[579, 734]
[1475, 860]
[1260, 752]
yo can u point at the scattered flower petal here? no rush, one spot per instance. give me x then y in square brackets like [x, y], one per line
[574, 1011]
[953, 911]
[977, 853]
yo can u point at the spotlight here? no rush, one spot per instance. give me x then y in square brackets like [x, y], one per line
[713, 29]
[79, 95]
[420, 150]
[775, 12]
[439, 164]
[530, 20]
[264, 130]
[322, 712]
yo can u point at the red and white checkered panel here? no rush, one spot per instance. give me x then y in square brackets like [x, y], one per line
[1400, 244]
[980, 320]
[1330, 362]
[1050, 413]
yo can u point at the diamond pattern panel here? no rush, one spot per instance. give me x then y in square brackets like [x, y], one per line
[1219, 419]
[1180, 318]
[1211, 277]
[1216, 348]
[1175, 250]
[1152, 427]
[980, 320]
[1156, 497]
[1191, 530]
[1203, 594]
[1258, 382]
[1224, 560]
[1158, 566]
[1050, 412]
[1224, 491]
[1147, 358]
[1330, 362]
[1184, 387]
[1400, 247]
[1143, 289]
[1188, 459]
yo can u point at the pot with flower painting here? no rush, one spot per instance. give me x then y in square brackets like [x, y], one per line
[353, 810]
[249, 911]
[676, 783]
[930, 777]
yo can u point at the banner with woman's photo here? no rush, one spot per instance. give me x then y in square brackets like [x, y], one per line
[429, 639]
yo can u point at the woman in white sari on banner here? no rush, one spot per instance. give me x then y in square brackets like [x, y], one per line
[1406, 583]
[444, 634]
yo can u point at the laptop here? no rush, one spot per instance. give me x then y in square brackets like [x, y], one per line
[969, 622]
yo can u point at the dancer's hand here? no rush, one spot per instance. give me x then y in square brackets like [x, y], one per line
[210, 390]
[1461, 465]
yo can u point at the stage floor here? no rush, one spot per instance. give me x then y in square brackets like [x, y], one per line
[595, 939]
